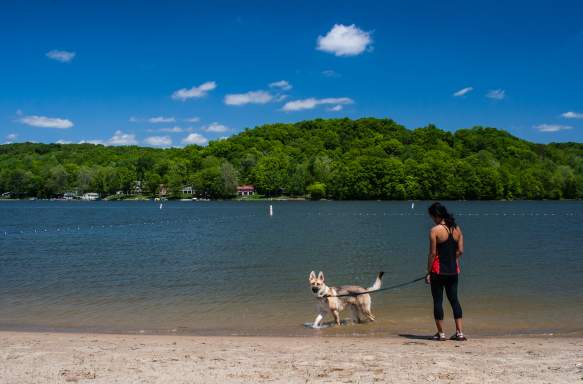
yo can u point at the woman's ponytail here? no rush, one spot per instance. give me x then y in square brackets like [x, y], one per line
[438, 210]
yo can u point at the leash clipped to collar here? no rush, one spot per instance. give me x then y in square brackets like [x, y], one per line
[380, 289]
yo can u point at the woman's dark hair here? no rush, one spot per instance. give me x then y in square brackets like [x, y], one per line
[439, 211]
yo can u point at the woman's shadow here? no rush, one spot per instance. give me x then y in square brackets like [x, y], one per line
[416, 337]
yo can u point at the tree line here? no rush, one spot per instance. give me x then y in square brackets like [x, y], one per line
[337, 158]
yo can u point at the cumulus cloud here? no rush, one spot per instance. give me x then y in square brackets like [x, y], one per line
[282, 84]
[253, 97]
[62, 56]
[311, 103]
[11, 137]
[161, 119]
[175, 129]
[552, 127]
[158, 141]
[345, 40]
[463, 91]
[572, 115]
[216, 128]
[194, 92]
[336, 108]
[121, 138]
[496, 94]
[95, 142]
[46, 122]
[192, 119]
[195, 138]
[118, 138]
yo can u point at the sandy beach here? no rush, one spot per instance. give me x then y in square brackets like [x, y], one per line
[104, 358]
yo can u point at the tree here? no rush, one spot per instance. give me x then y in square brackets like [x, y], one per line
[355, 159]
[316, 190]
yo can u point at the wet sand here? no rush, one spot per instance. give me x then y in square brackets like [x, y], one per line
[27, 357]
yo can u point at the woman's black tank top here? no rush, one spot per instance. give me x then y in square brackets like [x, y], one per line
[446, 252]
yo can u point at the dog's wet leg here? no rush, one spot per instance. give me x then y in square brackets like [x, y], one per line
[369, 316]
[355, 315]
[336, 316]
[318, 320]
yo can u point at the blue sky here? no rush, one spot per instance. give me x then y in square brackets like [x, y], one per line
[176, 72]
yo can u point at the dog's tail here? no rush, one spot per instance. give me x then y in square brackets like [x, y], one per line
[377, 283]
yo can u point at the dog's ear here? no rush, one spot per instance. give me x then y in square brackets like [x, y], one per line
[321, 276]
[312, 276]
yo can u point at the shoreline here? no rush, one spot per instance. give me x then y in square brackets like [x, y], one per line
[345, 331]
[263, 199]
[41, 357]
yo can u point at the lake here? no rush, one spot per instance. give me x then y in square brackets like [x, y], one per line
[229, 268]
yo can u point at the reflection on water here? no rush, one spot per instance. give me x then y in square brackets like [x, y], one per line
[227, 267]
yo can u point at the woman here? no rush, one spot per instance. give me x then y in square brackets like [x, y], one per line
[446, 245]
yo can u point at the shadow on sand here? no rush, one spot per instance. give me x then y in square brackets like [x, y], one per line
[416, 337]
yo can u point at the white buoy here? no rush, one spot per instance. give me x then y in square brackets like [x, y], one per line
[270, 210]
[413, 205]
[161, 205]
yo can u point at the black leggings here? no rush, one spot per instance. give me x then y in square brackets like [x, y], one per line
[449, 282]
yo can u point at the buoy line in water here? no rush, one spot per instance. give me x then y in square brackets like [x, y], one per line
[95, 227]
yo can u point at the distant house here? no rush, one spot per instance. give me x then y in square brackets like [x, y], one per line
[163, 191]
[187, 190]
[90, 196]
[136, 188]
[7, 195]
[70, 196]
[245, 190]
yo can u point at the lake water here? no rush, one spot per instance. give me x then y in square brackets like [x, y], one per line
[229, 268]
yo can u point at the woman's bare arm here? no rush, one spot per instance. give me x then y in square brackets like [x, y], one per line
[432, 249]
[460, 244]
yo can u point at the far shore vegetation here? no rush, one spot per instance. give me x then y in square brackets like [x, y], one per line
[333, 159]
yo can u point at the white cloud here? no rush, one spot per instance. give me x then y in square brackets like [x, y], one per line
[63, 141]
[62, 56]
[552, 127]
[194, 92]
[161, 119]
[133, 119]
[176, 129]
[11, 137]
[463, 91]
[46, 122]
[336, 108]
[195, 138]
[192, 119]
[345, 40]
[330, 73]
[216, 128]
[496, 94]
[282, 84]
[572, 115]
[158, 141]
[95, 142]
[298, 105]
[121, 138]
[253, 97]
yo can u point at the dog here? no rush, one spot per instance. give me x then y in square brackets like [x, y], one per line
[327, 303]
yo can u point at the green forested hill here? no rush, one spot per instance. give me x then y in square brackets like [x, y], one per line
[339, 158]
